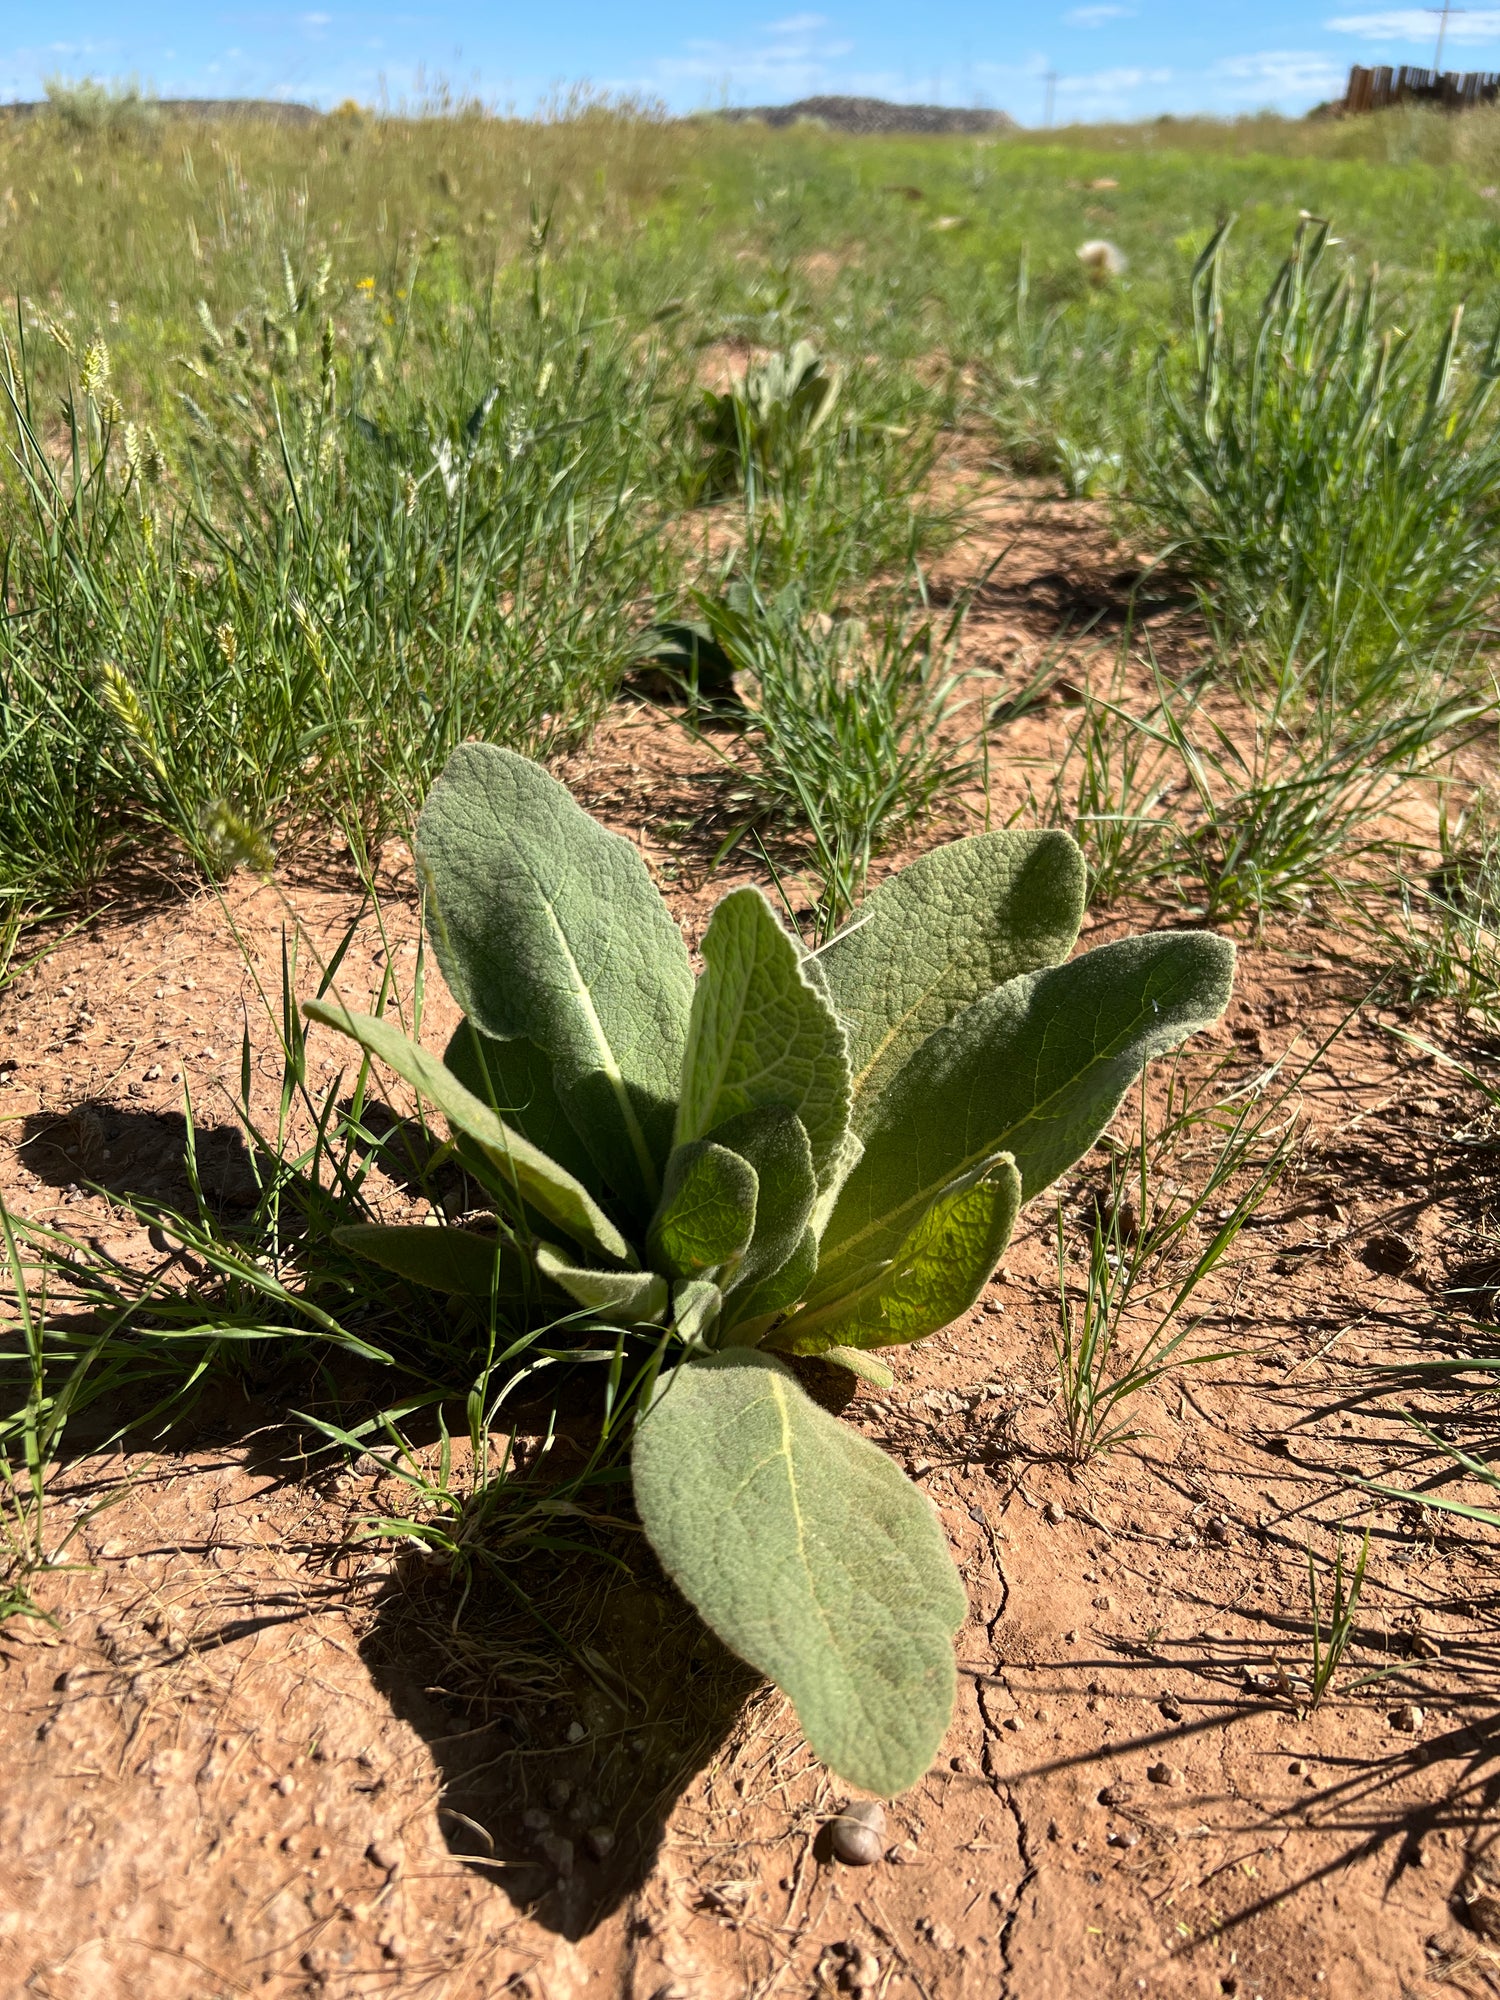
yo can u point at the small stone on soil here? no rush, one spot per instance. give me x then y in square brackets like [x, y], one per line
[1170, 1708]
[859, 1833]
[937, 1933]
[1055, 1513]
[1408, 1717]
[1165, 1774]
[599, 1840]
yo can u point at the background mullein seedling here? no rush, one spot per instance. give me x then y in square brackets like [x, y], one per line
[755, 434]
[793, 1154]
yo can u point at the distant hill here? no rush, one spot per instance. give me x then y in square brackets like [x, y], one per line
[190, 107]
[874, 114]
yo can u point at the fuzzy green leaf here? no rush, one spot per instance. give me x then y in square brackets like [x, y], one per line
[515, 1079]
[707, 1212]
[810, 1555]
[937, 1273]
[449, 1260]
[752, 1312]
[762, 1033]
[624, 1298]
[857, 1363]
[548, 926]
[696, 1305]
[512, 1160]
[775, 1144]
[1036, 1069]
[952, 926]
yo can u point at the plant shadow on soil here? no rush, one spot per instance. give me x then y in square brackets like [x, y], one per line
[559, 1770]
[568, 1704]
[136, 1152]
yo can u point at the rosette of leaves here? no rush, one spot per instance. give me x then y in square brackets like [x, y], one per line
[758, 429]
[790, 1154]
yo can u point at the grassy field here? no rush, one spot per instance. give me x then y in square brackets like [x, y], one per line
[299, 418]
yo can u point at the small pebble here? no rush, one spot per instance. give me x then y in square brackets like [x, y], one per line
[286, 1785]
[1296, 1768]
[576, 1732]
[599, 1840]
[863, 1973]
[859, 1832]
[1014, 1723]
[1170, 1708]
[558, 1794]
[1055, 1513]
[1408, 1717]
[1114, 1795]
[1165, 1774]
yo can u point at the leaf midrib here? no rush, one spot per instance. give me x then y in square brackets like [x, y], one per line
[856, 1083]
[602, 1043]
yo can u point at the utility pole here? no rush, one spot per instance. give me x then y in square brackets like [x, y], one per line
[1442, 35]
[1051, 82]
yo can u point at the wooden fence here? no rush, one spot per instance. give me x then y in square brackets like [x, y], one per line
[1374, 89]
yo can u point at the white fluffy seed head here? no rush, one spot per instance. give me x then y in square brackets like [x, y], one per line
[1102, 260]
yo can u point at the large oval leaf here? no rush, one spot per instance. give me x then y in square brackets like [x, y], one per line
[548, 926]
[761, 1033]
[938, 1271]
[952, 926]
[513, 1161]
[1036, 1069]
[810, 1555]
[515, 1079]
[446, 1259]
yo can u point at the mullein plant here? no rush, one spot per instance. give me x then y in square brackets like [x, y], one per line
[792, 1153]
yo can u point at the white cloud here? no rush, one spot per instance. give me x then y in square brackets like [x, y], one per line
[1096, 17]
[1280, 73]
[788, 60]
[1111, 81]
[1418, 24]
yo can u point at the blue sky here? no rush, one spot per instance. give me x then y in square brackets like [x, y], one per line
[1111, 58]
